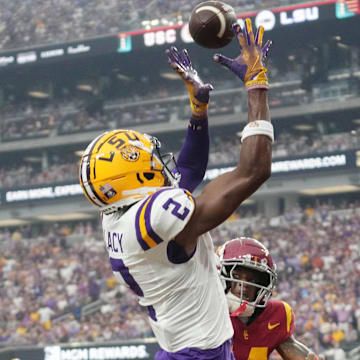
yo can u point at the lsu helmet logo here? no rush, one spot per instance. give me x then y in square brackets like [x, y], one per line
[121, 167]
[130, 153]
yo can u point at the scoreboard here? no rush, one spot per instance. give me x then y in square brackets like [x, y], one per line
[275, 19]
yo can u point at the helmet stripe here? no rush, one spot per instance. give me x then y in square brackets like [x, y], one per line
[95, 193]
[83, 185]
[85, 178]
[88, 187]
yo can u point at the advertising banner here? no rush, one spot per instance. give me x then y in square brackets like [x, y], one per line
[120, 351]
[306, 164]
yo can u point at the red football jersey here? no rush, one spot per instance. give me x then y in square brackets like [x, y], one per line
[257, 340]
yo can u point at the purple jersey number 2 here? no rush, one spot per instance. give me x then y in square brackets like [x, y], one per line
[176, 210]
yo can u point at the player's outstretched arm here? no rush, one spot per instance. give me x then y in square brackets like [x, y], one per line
[221, 197]
[198, 91]
[194, 154]
[291, 349]
[249, 65]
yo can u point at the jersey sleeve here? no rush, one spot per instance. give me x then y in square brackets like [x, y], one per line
[162, 216]
[289, 320]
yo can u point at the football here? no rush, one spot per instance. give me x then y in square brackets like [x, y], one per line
[210, 24]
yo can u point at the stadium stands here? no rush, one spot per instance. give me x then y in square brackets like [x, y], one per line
[59, 270]
[223, 151]
[56, 285]
[25, 24]
[24, 117]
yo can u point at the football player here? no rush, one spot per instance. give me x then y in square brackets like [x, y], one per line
[260, 324]
[156, 232]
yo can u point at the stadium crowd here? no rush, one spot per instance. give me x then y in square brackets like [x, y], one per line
[25, 24]
[122, 103]
[56, 277]
[28, 120]
[59, 122]
[55, 283]
[59, 270]
[223, 151]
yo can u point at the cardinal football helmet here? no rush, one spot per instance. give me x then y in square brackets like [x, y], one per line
[121, 167]
[248, 253]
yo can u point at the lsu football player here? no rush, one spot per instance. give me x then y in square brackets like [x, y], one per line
[260, 324]
[156, 232]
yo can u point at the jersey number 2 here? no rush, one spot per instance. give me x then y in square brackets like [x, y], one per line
[176, 211]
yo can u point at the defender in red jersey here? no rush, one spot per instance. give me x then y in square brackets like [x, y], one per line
[260, 325]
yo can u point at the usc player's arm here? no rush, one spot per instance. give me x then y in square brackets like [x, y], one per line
[291, 349]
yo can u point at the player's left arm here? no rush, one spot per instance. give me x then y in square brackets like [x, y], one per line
[292, 349]
[194, 154]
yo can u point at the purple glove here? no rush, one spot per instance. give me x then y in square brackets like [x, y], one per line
[198, 91]
[249, 65]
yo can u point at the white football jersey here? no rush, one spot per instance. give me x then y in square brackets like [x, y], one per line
[184, 296]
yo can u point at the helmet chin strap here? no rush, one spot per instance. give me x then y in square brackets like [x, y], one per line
[245, 310]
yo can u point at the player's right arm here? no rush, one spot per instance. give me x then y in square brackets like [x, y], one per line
[222, 196]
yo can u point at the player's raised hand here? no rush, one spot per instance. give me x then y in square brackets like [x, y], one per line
[198, 91]
[249, 65]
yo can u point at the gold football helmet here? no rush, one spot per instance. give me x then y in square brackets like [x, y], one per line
[121, 167]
